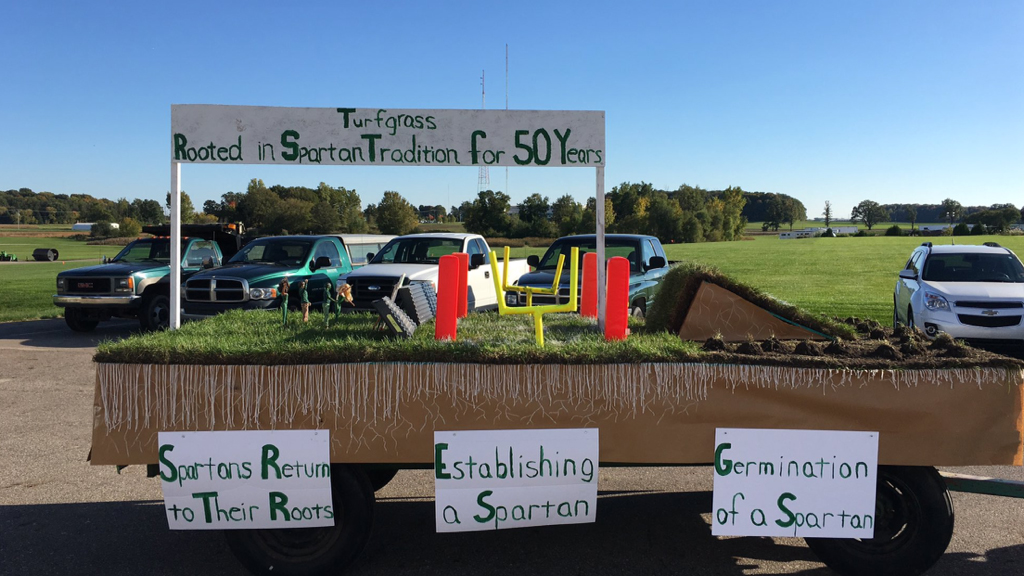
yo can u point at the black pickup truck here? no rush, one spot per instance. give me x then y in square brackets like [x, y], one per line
[647, 267]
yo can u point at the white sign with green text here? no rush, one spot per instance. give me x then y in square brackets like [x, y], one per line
[808, 483]
[246, 479]
[386, 137]
[497, 479]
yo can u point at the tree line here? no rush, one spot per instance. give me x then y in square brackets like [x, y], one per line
[687, 214]
[996, 218]
[23, 206]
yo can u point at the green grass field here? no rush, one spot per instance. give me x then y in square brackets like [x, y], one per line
[67, 249]
[833, 276]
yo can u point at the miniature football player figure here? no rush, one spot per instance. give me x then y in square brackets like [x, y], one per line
[282, 290]
[330, 303]
[304, 300]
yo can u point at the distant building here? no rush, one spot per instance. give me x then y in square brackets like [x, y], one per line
[87, 226]
[812, 232]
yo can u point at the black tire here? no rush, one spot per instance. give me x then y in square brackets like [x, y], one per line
[637, 310]
[910, 318]
[313, 551]
[380, 477]
[155, 312]
[79, 321]
[913, 527]
[895, 315]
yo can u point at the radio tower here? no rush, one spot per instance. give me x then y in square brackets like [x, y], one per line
[483, 180]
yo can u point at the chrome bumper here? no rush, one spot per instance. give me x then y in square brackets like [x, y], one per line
[99, 300]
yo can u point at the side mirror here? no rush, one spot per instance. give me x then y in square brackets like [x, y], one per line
[533, 260]
[105, 260]
[321, 262]
[476, 261]
[908, 274]
[656, 262]
[369, 256]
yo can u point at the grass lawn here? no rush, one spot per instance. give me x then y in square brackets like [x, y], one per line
[28, 286]
[257, 337]
[67, 249]
[833, 276]
[28, 290]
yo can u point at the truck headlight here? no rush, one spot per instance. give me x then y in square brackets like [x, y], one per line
[124, 284]
[60, 284]
[262, 293]
[511, 298]
[933, 301]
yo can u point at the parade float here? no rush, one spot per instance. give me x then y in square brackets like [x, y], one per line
[723, 357]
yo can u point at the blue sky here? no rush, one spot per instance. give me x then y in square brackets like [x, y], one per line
[909, 102]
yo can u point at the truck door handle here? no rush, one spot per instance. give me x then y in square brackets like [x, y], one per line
[487, 274]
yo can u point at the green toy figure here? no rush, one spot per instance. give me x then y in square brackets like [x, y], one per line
[282, 290]
[304, 299]
[330, 301]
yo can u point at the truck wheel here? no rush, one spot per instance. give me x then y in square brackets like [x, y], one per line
[313, 551]
[79, 321]
[913, 527]
[637, 310]
[155, 313]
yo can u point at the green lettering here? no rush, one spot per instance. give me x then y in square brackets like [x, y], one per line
[279, 503]
[439, 466]
[294, 154]
[270, 454]
[206, 503]
[180, 142]
[722, 467]
[789, 514]
[486, 506]
[167, 462]
[345, 112]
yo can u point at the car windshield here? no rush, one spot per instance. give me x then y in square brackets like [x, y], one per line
[276, 251]
[612, 247]
[417, 250]
[973, 267]
[145, 250]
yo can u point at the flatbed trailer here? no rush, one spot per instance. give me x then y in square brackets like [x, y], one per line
[382, 417]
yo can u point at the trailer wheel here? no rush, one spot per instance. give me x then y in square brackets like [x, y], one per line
[313, 551]
[79, 321]
[380, 478]
[913, 527]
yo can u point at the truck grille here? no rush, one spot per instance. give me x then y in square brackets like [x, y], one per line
[546, 299]
[988, 305]
[369, 288]
[989, 321]
[88, 286]
[216, 290]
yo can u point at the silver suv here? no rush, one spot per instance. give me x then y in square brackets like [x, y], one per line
[970, 292]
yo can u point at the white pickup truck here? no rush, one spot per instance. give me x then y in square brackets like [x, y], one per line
[414, 258]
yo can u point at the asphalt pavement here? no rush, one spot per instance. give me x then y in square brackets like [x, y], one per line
[61, 516]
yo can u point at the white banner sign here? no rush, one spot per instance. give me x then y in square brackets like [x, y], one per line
[496, 479]
[385, 137]
[808, 483]
[246, 479]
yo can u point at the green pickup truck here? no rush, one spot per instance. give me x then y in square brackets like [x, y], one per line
[249, 280]
[136, 282]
